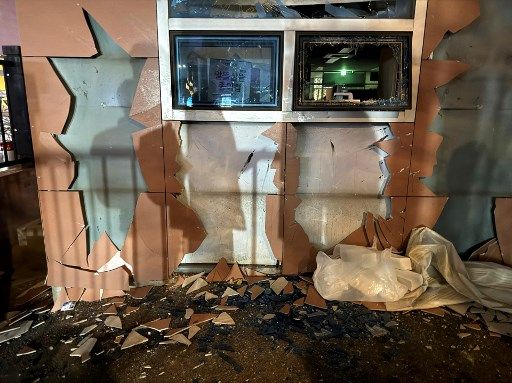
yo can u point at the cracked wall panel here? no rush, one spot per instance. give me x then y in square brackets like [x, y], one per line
[54, 28]
[172, 146]
[64, 276]
[340, 159]
[443, 17]
[298, 254]
[146, 108]
[274, 224]
[63, 222]
[131, 23]
[227, 158]
[145, 247]
[278, 133]
[328, 218]
[149, 149]
[55, 168]
[422, 211]
[235, 224]
[486, 86]
[99, 135]
[185, 231]
[48, 100]
[398, 159]
[292, 162]
[426, 143]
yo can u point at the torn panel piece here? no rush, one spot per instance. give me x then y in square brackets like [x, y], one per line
[148, 146]
[54, 28]
[145, 247]
[278, 134]
[503, 222]
[443, 17]
[172, 146]
[146, 107]
[298, 254]
[47, 98]
[55, 168]
[274, 212]
[131, 23]
[101, 253]
[63, 223]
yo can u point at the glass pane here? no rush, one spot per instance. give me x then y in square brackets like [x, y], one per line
[218, 72]
[382, 9]
[353, 72]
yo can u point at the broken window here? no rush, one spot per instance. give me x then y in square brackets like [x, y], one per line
[226, 71]
[352, 72]
[293, 9]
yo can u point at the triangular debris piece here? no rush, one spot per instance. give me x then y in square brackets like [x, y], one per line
[241, 290]
[193, 330]
[235, 273]
[219, 272]
[299, 302]
[199, 295]
[25, 350]
[140, 292]
[180, 338]
[88, 329]
[209, 296]
[315, 299]
[159, 324]
[253, 280]
[130, 310]
[278, 285]
[253, 273]
[174, 331]
[229, 292]
[133, 339]
[201, 318]
[197, 285]
[288, 289]
[111, 310]
[256, 291]
[224, 319]
[285, 309]
[188, 313]
[191, 279]
[84, 349]
[179, 281]
[438, 311]
[224, 301]
[113, 321]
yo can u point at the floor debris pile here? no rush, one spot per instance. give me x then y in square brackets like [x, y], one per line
[209, 315]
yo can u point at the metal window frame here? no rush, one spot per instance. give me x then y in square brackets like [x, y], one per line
[288, 27]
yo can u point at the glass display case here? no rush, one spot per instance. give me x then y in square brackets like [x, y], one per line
[227, 71]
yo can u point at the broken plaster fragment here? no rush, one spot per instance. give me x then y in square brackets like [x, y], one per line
[224, 319]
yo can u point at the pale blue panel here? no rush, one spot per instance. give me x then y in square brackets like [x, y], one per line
[99, 135]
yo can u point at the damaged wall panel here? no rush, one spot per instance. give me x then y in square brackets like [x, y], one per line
[227, 158]
[54, 28]
[235, 227]
[473, 161]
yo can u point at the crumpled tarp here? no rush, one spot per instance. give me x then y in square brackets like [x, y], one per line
[448, 280]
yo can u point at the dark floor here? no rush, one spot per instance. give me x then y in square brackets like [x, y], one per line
[309, 345]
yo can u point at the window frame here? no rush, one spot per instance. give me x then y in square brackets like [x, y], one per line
[289, 27]
[279, 68]
[298, 72]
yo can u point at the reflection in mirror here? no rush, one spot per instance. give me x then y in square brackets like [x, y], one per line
[226, 71]
[352, 72]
